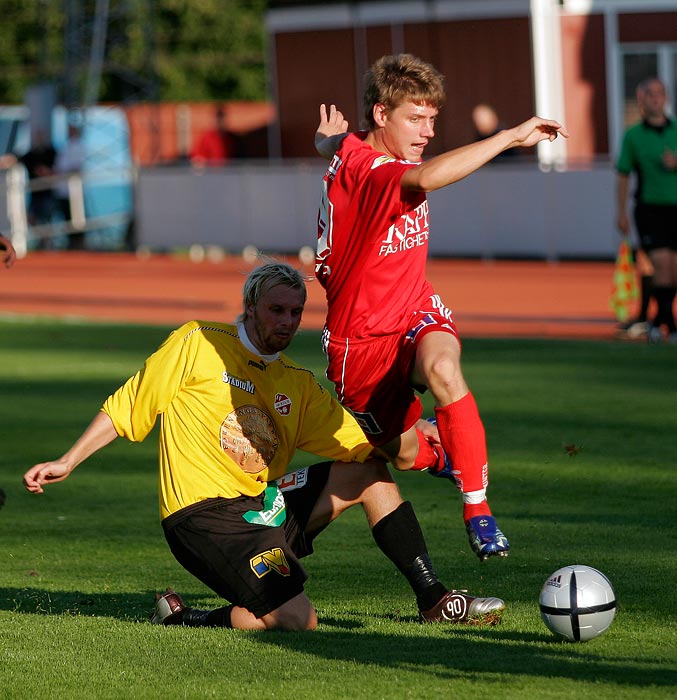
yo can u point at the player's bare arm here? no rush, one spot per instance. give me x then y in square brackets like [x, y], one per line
[622, 189]
[331, 131]
[98, 434]
[453, 166]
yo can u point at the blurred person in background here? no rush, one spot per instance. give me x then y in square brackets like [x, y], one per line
[486, 123]
[217, 146]
[69, 161]
[39, 163]
[649, 149]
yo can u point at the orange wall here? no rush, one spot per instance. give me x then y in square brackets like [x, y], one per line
[165, 132]
[471, 55]
[584, 69]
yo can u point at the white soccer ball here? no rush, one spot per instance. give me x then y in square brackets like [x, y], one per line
[577, 603]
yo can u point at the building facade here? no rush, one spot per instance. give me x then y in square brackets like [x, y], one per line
[577, 61]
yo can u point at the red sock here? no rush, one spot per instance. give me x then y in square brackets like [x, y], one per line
[463, 439]
[470, 510]
[428, 457]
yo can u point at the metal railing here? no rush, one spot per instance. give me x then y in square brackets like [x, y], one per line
[18, 186]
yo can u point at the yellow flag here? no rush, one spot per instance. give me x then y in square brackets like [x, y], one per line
[624, 290]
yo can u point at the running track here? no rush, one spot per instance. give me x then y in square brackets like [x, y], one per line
[491, 299]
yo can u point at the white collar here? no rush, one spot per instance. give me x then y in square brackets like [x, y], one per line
[244, 339]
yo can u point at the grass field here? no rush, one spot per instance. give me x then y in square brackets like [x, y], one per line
[583, 455]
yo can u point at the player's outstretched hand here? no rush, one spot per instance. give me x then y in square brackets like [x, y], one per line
[45, 473]
[536, 130]
[333, 126]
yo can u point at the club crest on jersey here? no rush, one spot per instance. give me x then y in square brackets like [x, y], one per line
[270, 560]
[238, 383]
[282, 404]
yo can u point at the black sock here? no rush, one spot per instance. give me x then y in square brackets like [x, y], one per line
[400, 538]
[190, 617]
[669, 306]
[664, 298]
[646, 290]
[220, 617]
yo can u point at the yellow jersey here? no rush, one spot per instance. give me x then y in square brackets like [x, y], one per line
[230, 418]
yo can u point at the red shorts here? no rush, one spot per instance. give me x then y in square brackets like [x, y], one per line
[372, 376]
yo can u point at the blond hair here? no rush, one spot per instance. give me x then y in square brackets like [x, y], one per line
[264, 278]
[393, 80]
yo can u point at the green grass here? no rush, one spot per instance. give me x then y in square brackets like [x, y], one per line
[79, 565]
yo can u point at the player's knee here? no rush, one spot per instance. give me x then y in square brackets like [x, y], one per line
[361, 476]
[443, 374]
[296, 615]
[374, 470]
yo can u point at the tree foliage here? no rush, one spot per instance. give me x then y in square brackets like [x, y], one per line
[167, 49]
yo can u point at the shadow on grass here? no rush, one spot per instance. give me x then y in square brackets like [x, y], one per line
[445, 652]
[37, 601]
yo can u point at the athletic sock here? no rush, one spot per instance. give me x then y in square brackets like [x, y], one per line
[664, 297]
[221, 617]
[463, 439]
[399, 536]
[646, 284]
[428, 456]
[190, 617]
[669, 306]
[470, 510]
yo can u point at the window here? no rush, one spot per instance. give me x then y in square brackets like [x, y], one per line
[636, 67]
[646, 61]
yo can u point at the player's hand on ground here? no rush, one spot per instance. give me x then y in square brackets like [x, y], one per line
[45, 473]
[536, 130]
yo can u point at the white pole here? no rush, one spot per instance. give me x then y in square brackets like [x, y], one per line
[77, 202]
[549, 80]
[16, 208]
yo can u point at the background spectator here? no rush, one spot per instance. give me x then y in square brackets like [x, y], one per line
[69, 161]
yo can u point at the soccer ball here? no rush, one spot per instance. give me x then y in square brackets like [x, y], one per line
[577, 603]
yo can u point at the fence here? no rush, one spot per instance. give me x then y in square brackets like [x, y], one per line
[501, 211]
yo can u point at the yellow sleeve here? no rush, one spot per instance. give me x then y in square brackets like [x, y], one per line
[329, 430]
[134, 407]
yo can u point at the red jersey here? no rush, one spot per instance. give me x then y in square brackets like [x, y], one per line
[372, 243]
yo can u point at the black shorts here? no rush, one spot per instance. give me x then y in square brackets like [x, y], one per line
[656, 226]
[240, 549]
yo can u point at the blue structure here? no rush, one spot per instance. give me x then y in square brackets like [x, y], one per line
[107, 172]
